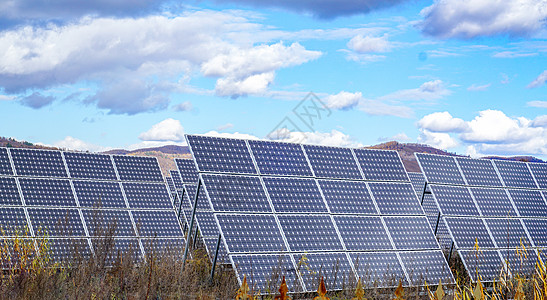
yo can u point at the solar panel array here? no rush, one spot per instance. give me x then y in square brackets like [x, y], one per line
[79, 199]
[499, 205]
[309, 211]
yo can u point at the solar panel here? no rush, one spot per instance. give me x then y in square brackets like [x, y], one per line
[523, 264]
[310, 232]
[507, 233]
[274, 158]
[418, 183]
[5, 164]
[229, 193]
[264, 271]
[363, 233]
[411, 233]
[493, 202]
[170, 184]
[106, 223]
[486, 263]
[56, 222]
[454, 200]
[332, 162]
[539, 170]
[381, 165]
[515, 174]
[113, 251]
[68, 251]
[426, 266]
[395, 198]
[251, 233]
[12, 221]
[467, 231]
[294, 194]
[147, 195]
[440, 169]
[213, 154]
[135, 168]
[207, 224]
[187, 170]
[90, 166]
[538, 231]
[99, 194]
[177, 181]
[430, 206]
[47, 192]
[529, 203]
[378, 268]
[350, 197]
[156, 223]
[41, 163]
[478, 171]
[161, 246]
[9, 193]
[334, 267]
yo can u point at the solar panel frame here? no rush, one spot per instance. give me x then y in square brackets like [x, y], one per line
[515, 174]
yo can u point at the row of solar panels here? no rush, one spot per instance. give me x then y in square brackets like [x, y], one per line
[83, 199]
[495, 205]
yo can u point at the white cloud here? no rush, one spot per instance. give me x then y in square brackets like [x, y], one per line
[512, 54]
[235, 135]
[471, 18]
[537, 103]
[478, 88]
[539, 81]
[184, 106]
[493, 126]
[442, 122]
[399, 137]
[7, 97]
[154, 144]
[168, 130]
[72, 143]
[368, 44]
[225, 126]
[440, 140]
[332, 138]
[343, 100]
[431, 90]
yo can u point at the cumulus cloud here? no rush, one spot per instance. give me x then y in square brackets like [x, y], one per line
[235, 135]
[332, 138]
[539, 81]
[442, 122]
[72, 143]
[164, 131]
[469, 18]
[343, 100]
[326, 9]
[491, 132]
[37, 100]
[368, 44]
[135, 64]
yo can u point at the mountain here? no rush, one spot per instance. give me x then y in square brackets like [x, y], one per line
[167, 154]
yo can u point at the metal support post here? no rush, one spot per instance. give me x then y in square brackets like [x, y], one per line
[191, 225]
[215, 258]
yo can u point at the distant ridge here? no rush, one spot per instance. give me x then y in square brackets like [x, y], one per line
[166, 154]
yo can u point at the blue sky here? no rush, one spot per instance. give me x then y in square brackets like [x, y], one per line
[466, 76]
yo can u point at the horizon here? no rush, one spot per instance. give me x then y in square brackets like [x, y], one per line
[100, 76]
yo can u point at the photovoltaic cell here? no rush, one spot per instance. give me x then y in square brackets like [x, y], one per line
[381, 165]
[187, 169]
[508, 233]
[9, 194]
[12, 221]
[382, 268]
[274, 158]
[90, 166]
[523, 265]
[203, 203]
[515, 174]
[135, 168]
[147, 195]
[56, 222]
[347, 197]
[156, 223]
[332, 162]
[538, 231]
[334, 267]
[529, 203]
[229, 193]
[411, 233]
[213, 154]
[310, 232]
[539, 170]
[454, 200]
[170, 184]
[264, 271]
[177, 181]
[295, 195]
[426, 266]
[99, 194]
[418, 182]
[117, 249]
[479, 171]
[466, 230]
[68, 251]
[211, 244]
[251, 233]
[493, 202]
[207, 224]
[161, 246]
[5, 165]
[47, 192]
[41, 163]
[429, 206]
[363, 233]
[487, 263]
[106, 223]
[395, 198]
[440, 169]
